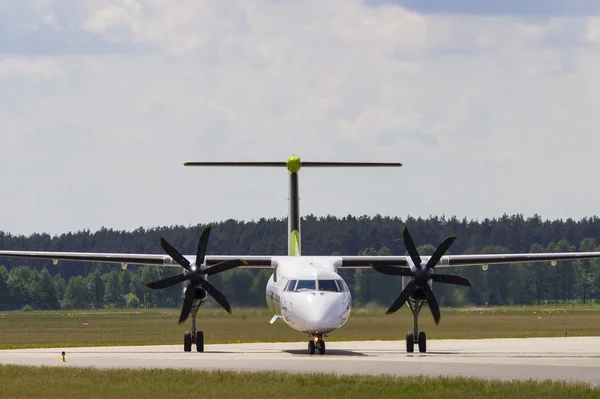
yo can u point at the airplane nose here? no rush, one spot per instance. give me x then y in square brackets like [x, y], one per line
[322, 312]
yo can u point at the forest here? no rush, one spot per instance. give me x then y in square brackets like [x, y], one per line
[35, 284]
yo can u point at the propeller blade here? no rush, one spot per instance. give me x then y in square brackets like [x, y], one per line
[451, 279]
[216, 294]
[393, 270]
[187, 304]
[432, 302]
[202, 245]
[224, 266]
[173, 253]
[439, 252]
[410, 247]
[167, 282]
[403, 297]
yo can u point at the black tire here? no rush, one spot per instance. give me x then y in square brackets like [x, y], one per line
[311, 347]
[321, 347]
[410, 342]
[199, 341]
[187, 341]
[422, 342]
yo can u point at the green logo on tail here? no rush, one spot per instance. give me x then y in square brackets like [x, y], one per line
[294, 243]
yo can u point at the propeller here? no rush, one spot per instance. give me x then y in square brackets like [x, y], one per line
[419, 287]
[195, 274]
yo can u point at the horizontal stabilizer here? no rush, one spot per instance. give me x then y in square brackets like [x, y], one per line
[304, 164]
[259, 164]
[351, 164]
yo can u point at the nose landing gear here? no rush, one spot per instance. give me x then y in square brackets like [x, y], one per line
[316, 345]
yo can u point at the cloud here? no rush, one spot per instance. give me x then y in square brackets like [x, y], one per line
[593, 31]
[101, 103]
[180, 28]
[528, 8]
[52, 27]
[44, 68]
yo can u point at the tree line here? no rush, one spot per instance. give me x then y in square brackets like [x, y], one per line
[79, 285]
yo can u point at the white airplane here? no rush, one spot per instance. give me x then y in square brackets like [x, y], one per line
[306, 291]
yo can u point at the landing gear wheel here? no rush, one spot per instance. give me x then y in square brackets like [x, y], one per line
[311, 347]
[422, 342]
[200, 341]
[321, 347]
[410, 342]
[187, 341]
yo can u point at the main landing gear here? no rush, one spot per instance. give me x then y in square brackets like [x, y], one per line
[316, 344]
[193, 337]
[416, 337]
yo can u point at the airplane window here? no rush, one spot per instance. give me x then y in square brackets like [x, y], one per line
[306, 285]
[328, 285]
[290, 285]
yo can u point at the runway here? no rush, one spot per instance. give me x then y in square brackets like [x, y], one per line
[571, 359]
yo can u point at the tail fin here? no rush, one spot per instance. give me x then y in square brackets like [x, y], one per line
[293, 165]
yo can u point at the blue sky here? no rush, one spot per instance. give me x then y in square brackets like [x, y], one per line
[491, 106]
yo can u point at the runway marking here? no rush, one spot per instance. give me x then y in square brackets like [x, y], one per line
[539, 359]
[403, 361]
[301, 358]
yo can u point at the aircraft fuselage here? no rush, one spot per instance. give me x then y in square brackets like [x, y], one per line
[308, 294]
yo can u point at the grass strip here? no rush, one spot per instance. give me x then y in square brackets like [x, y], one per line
[67, 382]
[159, 326]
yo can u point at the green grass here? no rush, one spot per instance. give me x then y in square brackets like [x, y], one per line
[48, 382]
[159, 326]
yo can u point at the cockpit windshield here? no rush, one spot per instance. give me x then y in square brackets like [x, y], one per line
[311, 285]
[306, 285]
[291, 285]
[328, 285]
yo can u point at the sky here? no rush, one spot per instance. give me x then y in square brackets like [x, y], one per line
[491, 106]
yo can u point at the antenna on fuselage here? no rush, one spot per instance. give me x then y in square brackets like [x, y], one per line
[293, 165]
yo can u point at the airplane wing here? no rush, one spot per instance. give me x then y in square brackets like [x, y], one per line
[266, 261]
[134, 259]
[467, 260]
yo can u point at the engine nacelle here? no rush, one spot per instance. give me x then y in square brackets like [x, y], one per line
[419, 294]
[200, 294]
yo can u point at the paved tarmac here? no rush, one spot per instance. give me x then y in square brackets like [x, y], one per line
[571, 359]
